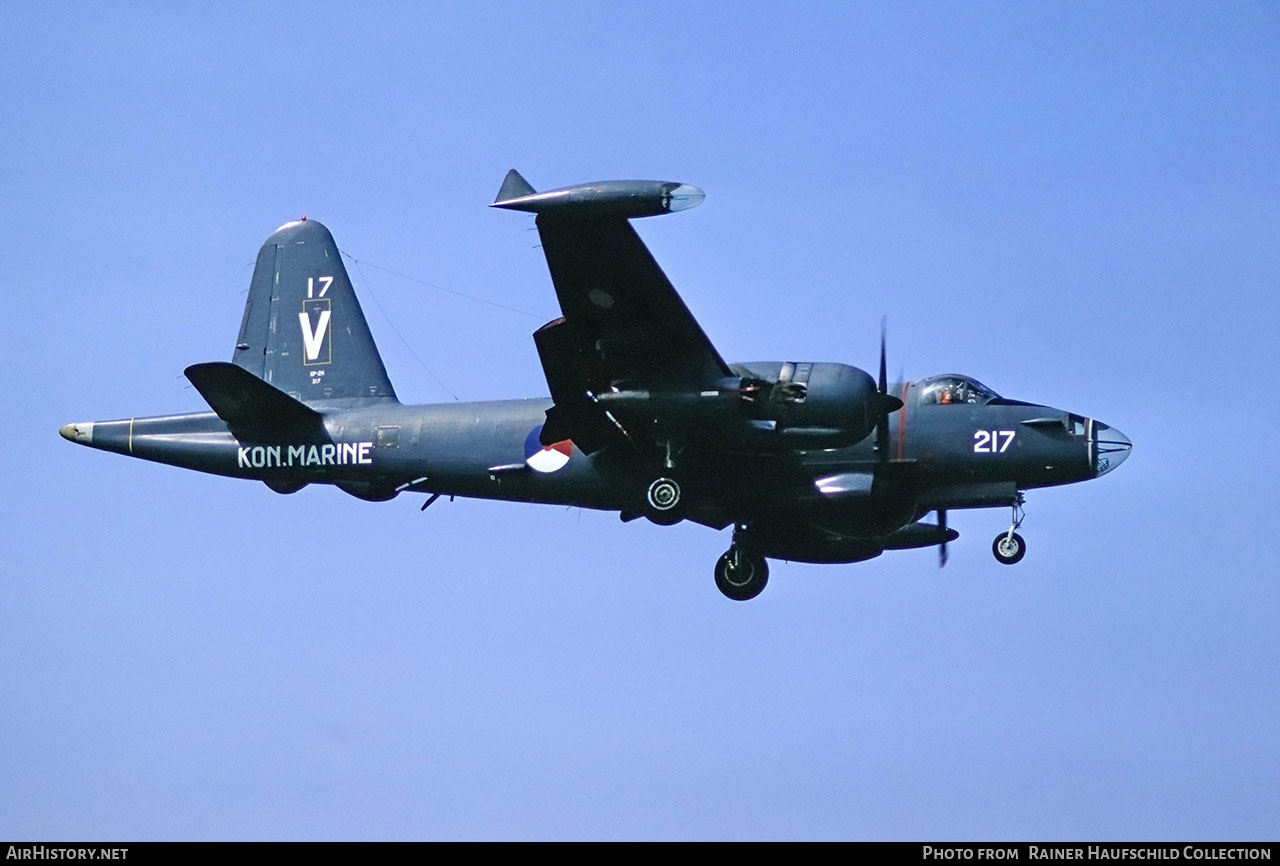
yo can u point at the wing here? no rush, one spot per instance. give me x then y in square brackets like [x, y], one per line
[629, 325]
[625, 332]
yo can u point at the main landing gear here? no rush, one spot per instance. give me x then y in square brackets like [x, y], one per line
[740, 575]
[665, 499]
[1008, 546]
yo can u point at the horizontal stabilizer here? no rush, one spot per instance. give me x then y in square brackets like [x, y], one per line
[253, 409]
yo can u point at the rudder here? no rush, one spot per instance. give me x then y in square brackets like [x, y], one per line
[303, 330]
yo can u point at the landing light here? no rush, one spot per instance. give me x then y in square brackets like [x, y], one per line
[685, 196]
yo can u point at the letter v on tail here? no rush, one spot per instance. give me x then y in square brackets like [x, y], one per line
[313, 341]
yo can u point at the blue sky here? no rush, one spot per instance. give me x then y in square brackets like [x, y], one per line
[1075, 203]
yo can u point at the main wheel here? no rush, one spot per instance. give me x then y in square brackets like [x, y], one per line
[741, 576]
[1009, 549]
[663, 501]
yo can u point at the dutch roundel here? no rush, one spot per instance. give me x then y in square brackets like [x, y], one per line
[546, 458]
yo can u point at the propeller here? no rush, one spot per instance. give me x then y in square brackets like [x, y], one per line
[888, 403]
[942, 547]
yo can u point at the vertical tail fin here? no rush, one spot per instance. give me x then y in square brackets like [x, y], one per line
[303, 330]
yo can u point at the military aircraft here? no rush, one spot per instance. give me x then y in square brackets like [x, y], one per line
[811, 462]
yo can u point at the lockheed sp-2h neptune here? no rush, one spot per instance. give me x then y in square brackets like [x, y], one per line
[812, 462]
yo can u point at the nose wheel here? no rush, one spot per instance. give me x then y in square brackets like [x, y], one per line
[1008, 546]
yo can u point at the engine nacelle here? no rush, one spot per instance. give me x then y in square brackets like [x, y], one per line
[813, 405]
[778, 405]
[809, 544]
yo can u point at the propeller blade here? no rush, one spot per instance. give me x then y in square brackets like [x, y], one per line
[942, 548]
[882, 423]
[884, 375]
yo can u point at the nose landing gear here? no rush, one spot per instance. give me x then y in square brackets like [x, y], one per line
[741, 575]
[1009, 547]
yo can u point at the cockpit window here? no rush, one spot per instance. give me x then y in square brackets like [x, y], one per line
[954, 389]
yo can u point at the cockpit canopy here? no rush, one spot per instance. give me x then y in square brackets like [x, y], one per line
[953, 389]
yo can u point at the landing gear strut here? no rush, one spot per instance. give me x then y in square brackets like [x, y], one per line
[740, 575]
[1008, 547]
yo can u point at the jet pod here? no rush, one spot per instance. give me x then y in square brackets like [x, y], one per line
[621, 198]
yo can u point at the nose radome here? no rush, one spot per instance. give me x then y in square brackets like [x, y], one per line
[1111, 447]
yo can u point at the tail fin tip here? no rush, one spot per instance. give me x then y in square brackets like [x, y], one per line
[303, 330]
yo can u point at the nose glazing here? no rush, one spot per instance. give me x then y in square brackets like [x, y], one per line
[1110, 448]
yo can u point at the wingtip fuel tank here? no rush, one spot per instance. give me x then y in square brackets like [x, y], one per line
[624, 198]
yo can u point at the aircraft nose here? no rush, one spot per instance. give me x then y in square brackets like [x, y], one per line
[1110, 448]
